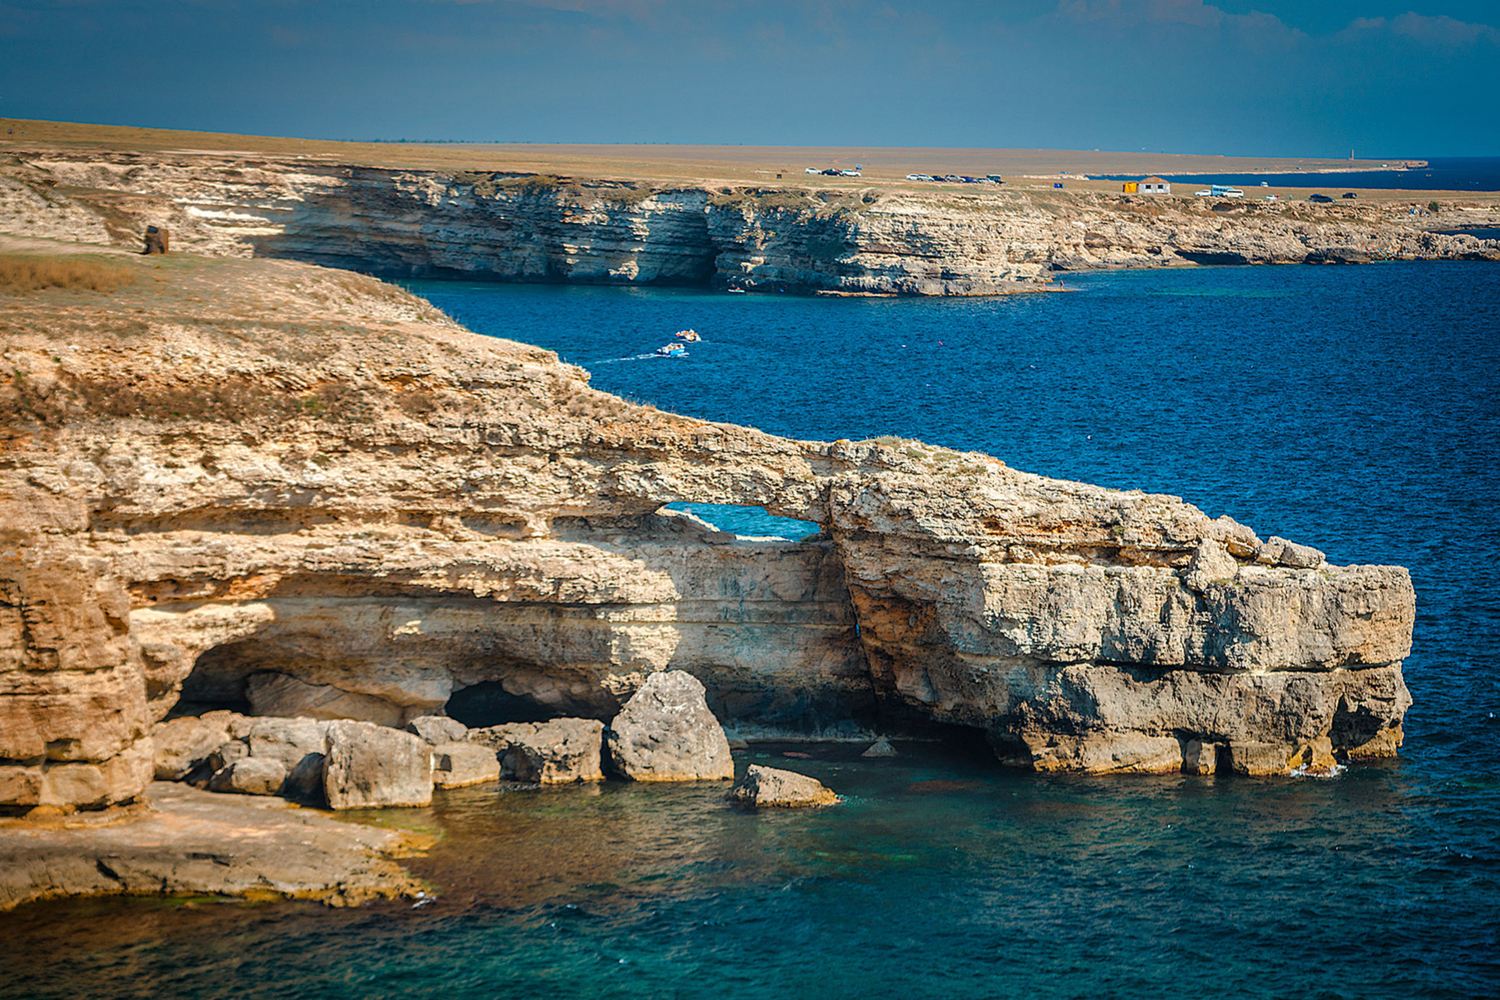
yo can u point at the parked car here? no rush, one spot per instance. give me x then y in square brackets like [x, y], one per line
[1350, 194]
[1321, 199]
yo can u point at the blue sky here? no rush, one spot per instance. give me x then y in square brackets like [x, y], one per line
[1387, 78]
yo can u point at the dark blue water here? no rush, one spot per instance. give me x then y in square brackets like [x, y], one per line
[1473, 173]
[1351, 408]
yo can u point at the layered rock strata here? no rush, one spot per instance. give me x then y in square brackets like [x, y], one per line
[234, 472]
[540, 228]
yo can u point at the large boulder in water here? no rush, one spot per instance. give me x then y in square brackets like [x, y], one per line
[551, 753]
[769, 786]
[455, 765]
[665, 732]
[372, 766]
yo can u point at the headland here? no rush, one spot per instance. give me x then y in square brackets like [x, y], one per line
[742, 218]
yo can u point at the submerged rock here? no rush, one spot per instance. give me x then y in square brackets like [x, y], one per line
[372, 766]
[665, 732]
[551, 753]
[769, 786]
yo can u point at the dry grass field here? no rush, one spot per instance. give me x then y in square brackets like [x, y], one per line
[24, 273]
[728, 164]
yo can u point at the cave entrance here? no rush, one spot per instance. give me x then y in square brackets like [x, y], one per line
[489, 704]
[750, 522]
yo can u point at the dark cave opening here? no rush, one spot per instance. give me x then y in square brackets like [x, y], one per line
[489, 704]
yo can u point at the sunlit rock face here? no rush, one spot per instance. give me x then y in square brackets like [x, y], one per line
[979, 240]
[243, 483]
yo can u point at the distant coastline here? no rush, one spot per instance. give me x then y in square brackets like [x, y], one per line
[1471, 174]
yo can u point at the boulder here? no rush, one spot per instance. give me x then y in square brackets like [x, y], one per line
[436, 729]
[249, 776]
[552, 753]
[300, 746]
[183, 745]
[880, 748]
[665, 732]
[769, 786]
[226, 753]
[1280, 552]
[1211, 563]
[372, 766]
[455, 765]
[284, 695]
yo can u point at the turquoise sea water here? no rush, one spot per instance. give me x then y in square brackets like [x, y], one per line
[1350, 408]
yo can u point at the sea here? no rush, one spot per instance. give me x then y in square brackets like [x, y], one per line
[1355, 409]
[1454, 173]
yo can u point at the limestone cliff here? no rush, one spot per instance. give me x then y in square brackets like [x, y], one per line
[233, 472]
[543, 228]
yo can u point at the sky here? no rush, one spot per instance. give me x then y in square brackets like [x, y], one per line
[1384, 78]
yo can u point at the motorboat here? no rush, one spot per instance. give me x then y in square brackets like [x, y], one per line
[672, 351]
[691, 336]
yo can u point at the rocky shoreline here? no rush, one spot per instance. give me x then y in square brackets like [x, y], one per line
[252, 485]
[501, 226]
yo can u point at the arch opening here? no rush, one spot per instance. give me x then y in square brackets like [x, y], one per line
[747, 521]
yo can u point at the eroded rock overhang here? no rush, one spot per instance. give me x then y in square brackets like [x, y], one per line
[364, 519]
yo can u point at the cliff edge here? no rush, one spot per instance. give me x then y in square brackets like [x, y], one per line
[506, 226]
[230, 482]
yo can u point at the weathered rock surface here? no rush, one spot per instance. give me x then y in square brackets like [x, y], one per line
[665, 732]
[184, 745]
[458, 765]
[399, 510]
[436, 729]
[190, 842]
[528, 228]
[249, 776]
[282, 695]
[555, 752]
[372, 766]
[772, 787]
[298, 745]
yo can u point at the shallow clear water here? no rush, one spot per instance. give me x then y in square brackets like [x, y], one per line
[1350, 408]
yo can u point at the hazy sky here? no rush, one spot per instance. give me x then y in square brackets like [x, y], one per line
[1276, 77]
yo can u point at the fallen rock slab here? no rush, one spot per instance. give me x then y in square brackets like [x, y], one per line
[191, 841]
[457, 765]
[436, 729]
[769, 786]
[552, 753]
[299, 745]
[665, 732]
[184, 745]
[249, 776]
[371, 767]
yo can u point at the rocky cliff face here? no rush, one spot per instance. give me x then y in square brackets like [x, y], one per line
[529, 228]
[256, 482]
